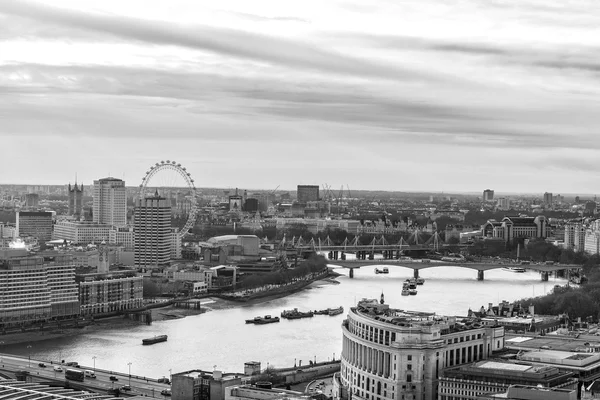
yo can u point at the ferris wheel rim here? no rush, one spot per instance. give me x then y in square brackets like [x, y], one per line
[182, 171]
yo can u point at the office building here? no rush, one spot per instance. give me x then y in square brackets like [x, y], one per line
[81, 232]
[152, 232]
[202, 385]
[389, 353]
[308, 193]
[123, 236]
[37, 224]
[110, 202]
[488, 195]
[75, 200]
[108, 292]
[36, 289]
[495, 376]
[548, 198]
[511, 229]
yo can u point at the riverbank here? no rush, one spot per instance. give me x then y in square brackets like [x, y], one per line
[167, 312]
[223, 302]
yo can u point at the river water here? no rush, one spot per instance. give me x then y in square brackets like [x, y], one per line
[221, 338]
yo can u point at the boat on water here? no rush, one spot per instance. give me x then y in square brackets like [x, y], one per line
[412, 292]
[295, 314]
[321, 312]
[405, 291]
[514, 269]
[335, 311]
[420, 281]
[384, 270]
[412, 283]
[155, 339]
[267, 319]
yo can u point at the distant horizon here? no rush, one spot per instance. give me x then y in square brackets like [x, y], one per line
[413, 192]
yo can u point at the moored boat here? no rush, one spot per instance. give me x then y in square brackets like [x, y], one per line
[155, 339]
[321, 312]
[295, 314]
[405, 291]
[412, 292]
[267, 319]
[420, 281]
[335, 311]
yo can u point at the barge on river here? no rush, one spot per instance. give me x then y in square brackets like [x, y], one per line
[155, 339]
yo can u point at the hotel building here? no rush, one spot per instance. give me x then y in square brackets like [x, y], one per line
[391, 354]
[110, 202]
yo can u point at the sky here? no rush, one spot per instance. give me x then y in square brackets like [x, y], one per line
[410, 95]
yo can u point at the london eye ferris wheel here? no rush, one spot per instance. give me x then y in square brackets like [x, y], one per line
[166, 178]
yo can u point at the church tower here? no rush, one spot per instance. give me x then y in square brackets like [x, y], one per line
[76, 200]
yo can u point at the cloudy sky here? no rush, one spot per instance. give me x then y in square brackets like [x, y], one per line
[388, 94]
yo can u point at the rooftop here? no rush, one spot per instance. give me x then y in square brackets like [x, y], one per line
[10, 390]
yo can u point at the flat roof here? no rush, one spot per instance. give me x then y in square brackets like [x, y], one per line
[504, 366]
[552, 342]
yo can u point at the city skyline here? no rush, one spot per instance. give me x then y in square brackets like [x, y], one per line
[379, 97]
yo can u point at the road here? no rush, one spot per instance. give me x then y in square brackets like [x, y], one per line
[101, 384]
[323, 385]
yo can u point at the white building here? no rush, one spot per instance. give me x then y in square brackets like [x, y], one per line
[503, 204]
[592, 238]
[80, 232]
[122, 235]
[575, 235]
[390, 354]
[110, 202]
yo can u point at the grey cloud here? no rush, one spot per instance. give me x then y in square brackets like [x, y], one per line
[224, 41]
[393, 116]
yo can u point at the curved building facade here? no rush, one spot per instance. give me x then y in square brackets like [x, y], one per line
[399, 355]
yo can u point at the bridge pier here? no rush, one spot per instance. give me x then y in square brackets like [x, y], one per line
[330, 255]
[351, 273]
[371, 256]
[479, 275]
[545, 276]
[415, 273]
[343, 256]
[335, 255]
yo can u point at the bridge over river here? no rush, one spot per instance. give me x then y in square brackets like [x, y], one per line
[480, 267]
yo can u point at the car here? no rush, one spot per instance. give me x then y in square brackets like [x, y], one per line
[165, 392]
[126, 387]
[58, 368]
[72, 364]
[42, 365]
[163, 380]
[113, 378]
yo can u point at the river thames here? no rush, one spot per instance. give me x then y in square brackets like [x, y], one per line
[221, 338]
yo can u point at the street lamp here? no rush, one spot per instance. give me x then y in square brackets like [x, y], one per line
[29, 350]
[129, 364]
[94, 358]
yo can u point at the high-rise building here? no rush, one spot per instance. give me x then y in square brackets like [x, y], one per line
[110, 202]
[575, 235]
[548, 198]
[488, 195]
[76, 200]
[32, 200]
[36, 289]
[390, 353]
[308, 193]
[37, 224]
[152, 232]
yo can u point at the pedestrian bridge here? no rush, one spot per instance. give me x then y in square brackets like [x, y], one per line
[417, 265]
